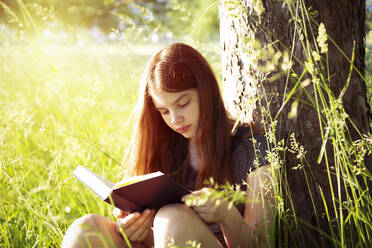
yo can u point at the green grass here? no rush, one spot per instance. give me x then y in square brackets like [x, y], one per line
[62, 105]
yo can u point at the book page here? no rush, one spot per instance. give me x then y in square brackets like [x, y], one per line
[99, 185]
[131, 180]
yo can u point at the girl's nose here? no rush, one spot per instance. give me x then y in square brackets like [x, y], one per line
[176, 118]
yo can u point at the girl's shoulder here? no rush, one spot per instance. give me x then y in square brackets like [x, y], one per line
[248, 142]
[247, 133]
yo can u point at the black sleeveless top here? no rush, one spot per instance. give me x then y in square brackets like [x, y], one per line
[248, 151]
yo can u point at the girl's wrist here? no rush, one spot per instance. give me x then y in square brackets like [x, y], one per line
[228, 213]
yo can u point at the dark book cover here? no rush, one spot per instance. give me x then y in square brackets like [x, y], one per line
[151, 191]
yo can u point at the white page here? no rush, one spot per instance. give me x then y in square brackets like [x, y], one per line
[99, 185]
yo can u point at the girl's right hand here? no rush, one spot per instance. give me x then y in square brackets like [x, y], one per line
[136, 226]
[119, 214]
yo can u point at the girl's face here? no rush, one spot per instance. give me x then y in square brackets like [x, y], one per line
[180, 110]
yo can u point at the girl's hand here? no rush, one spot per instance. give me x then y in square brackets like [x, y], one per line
[136, 226]
[209, 209]
[118, 213]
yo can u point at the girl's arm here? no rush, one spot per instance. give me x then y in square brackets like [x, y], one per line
[250, 230]
[239, 231]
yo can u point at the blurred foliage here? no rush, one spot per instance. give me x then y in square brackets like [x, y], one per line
[368, 21]
[173, 18]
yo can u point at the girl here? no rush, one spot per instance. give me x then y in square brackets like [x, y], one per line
[183, 130]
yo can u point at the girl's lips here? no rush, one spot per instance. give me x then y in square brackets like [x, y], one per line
[184, 129]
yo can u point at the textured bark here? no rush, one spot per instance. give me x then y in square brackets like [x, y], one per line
[243, 83]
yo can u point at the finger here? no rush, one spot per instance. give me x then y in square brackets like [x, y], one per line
[143, 235]
[198, 192]
[143, 223]
[198, 198]
[204, 191]
[194, 193]
[185, 197]
[148, 229]
[145, 227]
[136, 225]
[118, 213]
[128, 220]
[202, 201]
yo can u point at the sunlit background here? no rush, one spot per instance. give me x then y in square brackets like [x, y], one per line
[69, 73]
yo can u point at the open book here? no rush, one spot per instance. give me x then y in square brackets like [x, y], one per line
[151, 191]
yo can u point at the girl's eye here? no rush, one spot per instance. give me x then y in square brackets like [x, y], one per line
[164, 112]
[184, 104]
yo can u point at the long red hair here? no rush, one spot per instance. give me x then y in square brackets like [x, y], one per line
[154, 145]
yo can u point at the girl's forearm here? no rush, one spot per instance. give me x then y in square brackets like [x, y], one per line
[236, 230]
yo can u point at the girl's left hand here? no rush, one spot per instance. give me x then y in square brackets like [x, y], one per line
[209, 209]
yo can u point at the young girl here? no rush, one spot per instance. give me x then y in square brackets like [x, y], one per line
[183, 130]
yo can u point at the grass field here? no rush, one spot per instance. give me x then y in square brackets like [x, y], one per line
[60, 106]
[68, 101]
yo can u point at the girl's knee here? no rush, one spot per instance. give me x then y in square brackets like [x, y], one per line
[180, 223]
[174, 214]
[172, 211]
[75, 234]
[86, 223]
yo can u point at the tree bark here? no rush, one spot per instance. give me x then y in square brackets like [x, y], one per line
[257, 86]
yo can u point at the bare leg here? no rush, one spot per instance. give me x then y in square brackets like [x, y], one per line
[180, 224]
[92, 230]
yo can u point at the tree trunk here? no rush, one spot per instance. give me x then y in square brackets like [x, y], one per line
[257, 83]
